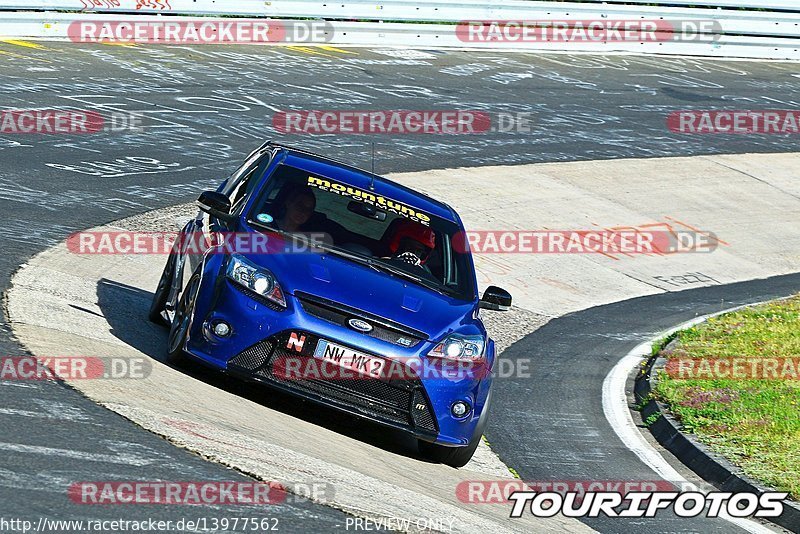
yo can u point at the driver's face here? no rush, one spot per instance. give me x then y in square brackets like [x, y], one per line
[300, 208]
[415, 247]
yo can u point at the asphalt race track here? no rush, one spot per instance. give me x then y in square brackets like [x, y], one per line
[205, 107]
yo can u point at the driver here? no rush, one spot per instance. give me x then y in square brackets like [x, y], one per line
[296, 205]
[412, 243]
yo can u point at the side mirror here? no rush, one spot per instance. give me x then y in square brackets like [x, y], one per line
[215, 204]
[496, 299]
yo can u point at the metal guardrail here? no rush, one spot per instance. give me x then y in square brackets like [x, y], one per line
[746, 30]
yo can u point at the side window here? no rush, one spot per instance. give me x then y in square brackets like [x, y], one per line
[244, 188]
[240, 184]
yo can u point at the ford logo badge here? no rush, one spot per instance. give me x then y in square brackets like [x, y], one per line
[361, 326]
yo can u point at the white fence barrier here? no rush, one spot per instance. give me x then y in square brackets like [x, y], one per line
[787, 5]
[435, 10]
[731, 21]
[744, 30]
[259, 6]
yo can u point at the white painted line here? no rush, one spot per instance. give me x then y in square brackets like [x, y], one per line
[615, 408]
[56, 412]
[125, 459]
[23, 413]
[18, 385]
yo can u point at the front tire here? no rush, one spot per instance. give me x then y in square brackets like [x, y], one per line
[161, 295]
[182, 323]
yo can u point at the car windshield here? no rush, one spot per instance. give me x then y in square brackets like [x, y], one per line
[370, 229]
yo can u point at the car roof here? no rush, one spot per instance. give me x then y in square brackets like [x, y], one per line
[350, 175]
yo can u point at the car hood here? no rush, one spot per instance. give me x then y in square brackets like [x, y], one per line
[379, 293]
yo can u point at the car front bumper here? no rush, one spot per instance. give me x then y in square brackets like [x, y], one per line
[418, 403]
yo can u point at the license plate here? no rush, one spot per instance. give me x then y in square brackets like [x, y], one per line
[349, 359]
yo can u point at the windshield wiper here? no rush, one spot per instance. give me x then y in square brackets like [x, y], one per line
[343, 253]
[405, 274]
[379, 265]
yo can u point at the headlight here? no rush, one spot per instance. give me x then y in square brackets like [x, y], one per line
[256, 279]
[456, 347]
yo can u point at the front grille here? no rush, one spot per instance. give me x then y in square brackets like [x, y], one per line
[421, 412]
[339, 314]
[370, 396]
[400, 401]
[253, 358]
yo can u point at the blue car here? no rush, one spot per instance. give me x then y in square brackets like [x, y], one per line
[337, 285]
